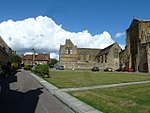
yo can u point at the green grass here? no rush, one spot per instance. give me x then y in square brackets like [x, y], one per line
[66, 79]
[127, 99]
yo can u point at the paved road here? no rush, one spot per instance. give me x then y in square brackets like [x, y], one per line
[21, 93]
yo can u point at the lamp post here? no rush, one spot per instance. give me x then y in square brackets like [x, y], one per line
[33, 56]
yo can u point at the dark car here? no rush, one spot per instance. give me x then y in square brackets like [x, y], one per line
[95, 69]
[118, 70]
[60, 67]
[109, 69]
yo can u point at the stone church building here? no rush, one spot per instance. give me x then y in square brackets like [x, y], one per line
[137, 52]
[72, 57]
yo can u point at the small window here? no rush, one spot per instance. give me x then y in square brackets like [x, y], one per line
[68, 51]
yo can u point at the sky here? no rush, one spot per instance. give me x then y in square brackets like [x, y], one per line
[46, 24]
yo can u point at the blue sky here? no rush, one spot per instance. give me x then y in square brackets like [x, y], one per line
[95, 16]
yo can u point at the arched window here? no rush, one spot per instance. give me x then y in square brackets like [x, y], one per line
[116, 53]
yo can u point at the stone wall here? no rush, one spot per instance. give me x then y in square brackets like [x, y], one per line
[143, 65]
[5, 52]
[148, 57]
[75, 65]
[68, 52]
[106, 58]
[138, 36]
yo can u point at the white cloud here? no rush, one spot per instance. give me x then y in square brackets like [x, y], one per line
[54, 55]
[122, 46]
[43, 34]
[119, 34]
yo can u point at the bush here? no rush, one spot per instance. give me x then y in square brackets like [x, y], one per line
[27, 67]
[42, 70]
[14, 65]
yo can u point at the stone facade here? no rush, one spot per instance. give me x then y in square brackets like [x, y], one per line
[137, 46]
[68, 52]
[5, 52]
[109, 57]
[72, 57]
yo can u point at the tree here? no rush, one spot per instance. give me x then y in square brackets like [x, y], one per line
[53, 62]
[16, 60]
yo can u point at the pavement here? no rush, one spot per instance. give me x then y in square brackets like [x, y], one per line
[73, 103]
[21, 93]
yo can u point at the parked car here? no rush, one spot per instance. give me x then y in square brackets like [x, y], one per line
[119, 69]
[128, 69]
[109, 69]
[60, 67]
[95, 69]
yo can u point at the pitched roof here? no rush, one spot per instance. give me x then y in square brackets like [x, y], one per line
[27, 57]
[42, 57]
[86, 51]
[38, 57]
[105, 50]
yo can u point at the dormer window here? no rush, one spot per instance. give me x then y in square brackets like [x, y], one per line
[68, 51]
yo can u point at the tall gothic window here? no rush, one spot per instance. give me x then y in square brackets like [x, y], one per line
[68, 51]
[116, 53]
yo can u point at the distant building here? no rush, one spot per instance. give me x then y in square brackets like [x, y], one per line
[137, 52]
[72, 57]
[5, 52]
[42, 59]
[27, 59]
[36, 59]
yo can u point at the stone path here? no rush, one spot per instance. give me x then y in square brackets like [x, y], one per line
[103, 86]
[73, 103]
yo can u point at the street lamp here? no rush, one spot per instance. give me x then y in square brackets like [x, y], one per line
[33, 56]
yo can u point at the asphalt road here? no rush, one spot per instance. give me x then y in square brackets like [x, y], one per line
[21, 93]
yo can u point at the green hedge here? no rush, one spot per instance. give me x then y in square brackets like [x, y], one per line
[42, 70]
[27, 67]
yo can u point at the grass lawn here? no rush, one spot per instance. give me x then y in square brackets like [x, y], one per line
[127, 99]
[69, 79]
